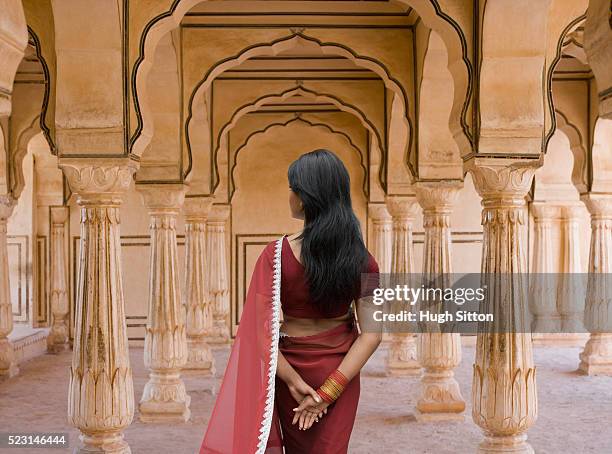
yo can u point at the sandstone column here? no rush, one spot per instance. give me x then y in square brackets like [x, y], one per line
[164, 398]
[504, 385]
[402, 357]
[382, 230]
[596, 359]
[8, 365]
[543, 286]
[217, 265]
[197, 297]
[439, 353]
[381, 246]
[58, 339]
[101, 392]
[571, 290]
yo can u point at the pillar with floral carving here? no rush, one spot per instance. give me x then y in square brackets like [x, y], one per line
[218, 279]
[596, 358]
[164, 398]
[8, 364]
[504, 396]
[197, 300]
[402, 356]
[101, 391]
[58, 339]
[438, 352]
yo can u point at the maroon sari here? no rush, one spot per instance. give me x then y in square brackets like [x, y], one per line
[254, 409]
[314, 358]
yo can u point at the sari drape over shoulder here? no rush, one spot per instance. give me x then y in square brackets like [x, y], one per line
[244, 420]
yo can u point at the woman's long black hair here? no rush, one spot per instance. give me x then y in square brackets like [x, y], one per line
[333, 252]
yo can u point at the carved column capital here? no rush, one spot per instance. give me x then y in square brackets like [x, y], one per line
[544, 212]
[98, 181]
[400, 206]
[378, 212]
[599, 205]
[197, 209]
[218, 214]
[572, 212]
[162, 197]
[500, 179]
[438, 196]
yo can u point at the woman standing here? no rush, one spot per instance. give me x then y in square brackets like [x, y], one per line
[296, 386]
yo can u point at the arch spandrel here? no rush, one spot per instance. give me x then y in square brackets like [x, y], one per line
[565, 23]
[578, 145]
[439, 155]
[162, 160]
[556, 179]
[25, 124]
[41, 29]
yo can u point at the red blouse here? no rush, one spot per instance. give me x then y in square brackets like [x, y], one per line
[295, 297]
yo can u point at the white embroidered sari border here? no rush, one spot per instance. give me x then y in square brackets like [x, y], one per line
[266, 423]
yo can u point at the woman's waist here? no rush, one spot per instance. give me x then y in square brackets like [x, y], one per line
[295, 325]
[338, 336]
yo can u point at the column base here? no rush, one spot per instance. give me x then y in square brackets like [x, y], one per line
[440, 396]
[510, 444]
[57, 341]
[220, 334]
[199, 357]
[103, 443]
[402, 357]
[8, 365]
[164, 399]
[435, 417]
[596, 358]
[558, 339]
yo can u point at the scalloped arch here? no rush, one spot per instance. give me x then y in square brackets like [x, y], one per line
[362, 158]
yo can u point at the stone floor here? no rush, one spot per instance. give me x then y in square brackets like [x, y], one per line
[574, 410]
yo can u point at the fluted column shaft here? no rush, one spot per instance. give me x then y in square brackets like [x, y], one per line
[571, 294]
[8, 365]
[543, 286]
[596, 359]
[101, 392]
[58, 339]
[164, 398]
[197, 297]
[218, 281]
[504, 385]
[402, 357]
[438, 353]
